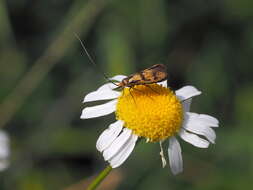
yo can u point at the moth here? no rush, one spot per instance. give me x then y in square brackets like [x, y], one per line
[153, 74]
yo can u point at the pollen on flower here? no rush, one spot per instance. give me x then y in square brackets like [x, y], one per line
[151, 111]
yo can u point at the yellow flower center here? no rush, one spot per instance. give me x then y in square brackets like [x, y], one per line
[150, 111]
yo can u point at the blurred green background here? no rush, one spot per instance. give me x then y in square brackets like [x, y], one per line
[45, 74]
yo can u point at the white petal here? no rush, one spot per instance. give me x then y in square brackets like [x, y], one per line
[203, 119]
[4, 145]
[163, 83]
[175, 156]
[187, 92]
[193, 139]
[118, 77]
[109, 135]
[100, 110]
[193, 123]
[4, 136]
[101, 95]
[124, 153]
[209, 120]
[187, 104]
[107, 86]
[4, 151]
[202, 130]
[4, 164]
[117, 144]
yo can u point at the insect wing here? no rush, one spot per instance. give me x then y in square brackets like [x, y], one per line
[156, 73]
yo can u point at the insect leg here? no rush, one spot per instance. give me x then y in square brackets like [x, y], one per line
[141, 92]
[132, 95]
[151, 88]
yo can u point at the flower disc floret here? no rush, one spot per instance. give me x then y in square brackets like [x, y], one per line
[150, 111]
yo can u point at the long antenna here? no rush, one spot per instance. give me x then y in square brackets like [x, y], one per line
[92, 60]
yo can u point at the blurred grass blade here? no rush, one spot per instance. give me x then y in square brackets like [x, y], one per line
[80, 23]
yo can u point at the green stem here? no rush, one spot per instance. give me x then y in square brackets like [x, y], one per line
[99, 178]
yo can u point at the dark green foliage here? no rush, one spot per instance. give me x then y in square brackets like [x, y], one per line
[207, 44]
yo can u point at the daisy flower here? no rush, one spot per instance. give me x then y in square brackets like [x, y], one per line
[153, 112]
